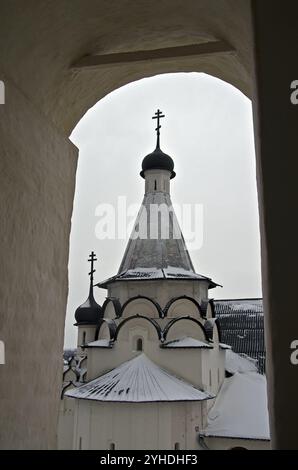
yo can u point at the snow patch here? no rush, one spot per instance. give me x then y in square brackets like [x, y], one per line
[240, 409]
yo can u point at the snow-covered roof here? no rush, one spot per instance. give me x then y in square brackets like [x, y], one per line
[100, 343]
[187, 342]
[224, 346]
[138, 380]
[152, 273]
[240, 409]
[242, 326]
[239, 363]
[230, 306]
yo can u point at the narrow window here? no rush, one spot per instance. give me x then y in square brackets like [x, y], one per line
[155, 186]
[218, 376]
[84, 337]
[139, 344]
[112, 446]
[80, 443]
[177, 446]
[210, 378]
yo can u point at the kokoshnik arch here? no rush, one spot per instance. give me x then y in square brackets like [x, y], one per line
[57, 59]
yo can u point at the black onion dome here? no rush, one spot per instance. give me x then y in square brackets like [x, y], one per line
[89, 313]
[158, 160]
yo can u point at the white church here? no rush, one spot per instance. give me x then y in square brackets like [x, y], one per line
[151, 371]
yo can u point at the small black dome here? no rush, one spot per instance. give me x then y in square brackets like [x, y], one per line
[158, 160]
[89, 313]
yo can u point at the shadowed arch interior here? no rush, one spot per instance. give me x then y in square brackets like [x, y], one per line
[116, 304]
[112, 327]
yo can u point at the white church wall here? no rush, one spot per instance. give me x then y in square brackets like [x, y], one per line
[101, 360]
[159, 290]
[86, 334]
[157, 181]
[82, 419]
[65, 431]
[142, 307]
[110, 311]
[213, 370]
[209, 312]
[129, 426]
[186, 363]
[185, 327]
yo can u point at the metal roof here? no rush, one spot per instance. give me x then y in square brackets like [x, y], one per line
[138, 380]
[156, 248]
[242, 327]
[152, 274]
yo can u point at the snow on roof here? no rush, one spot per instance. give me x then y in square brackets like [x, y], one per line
[169, 272]
[244, 307]
[240, 363]
[242, 326]
[187, 342]
[240, 409]
[100, 343]
[138, 380]
[225, 346]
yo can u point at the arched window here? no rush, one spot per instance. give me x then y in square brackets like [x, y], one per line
[155, 185]
[139, 344]
[210, 378]
[112, 446]
[84, 337]
[177, 446]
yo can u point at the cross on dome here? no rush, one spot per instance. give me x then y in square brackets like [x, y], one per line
[158, 116]
[92, 258]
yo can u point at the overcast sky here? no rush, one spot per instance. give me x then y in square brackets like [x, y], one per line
[208, 132]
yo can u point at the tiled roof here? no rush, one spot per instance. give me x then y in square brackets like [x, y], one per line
[242, 326]
[138, 380]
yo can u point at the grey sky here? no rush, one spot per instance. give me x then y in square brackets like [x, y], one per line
[208, 132]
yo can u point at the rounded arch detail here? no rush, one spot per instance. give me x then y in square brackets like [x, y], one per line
[182, 297]
[150, 320]
[140, 297]
[176, 320]
[111, 325]
[116, 304]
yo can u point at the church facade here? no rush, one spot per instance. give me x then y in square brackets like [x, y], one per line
[151, 366]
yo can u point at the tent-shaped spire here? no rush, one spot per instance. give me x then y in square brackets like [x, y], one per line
[156, 247]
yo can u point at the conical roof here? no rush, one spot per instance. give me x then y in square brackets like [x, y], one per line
[156, 248]
[139, 380]
[156, 241]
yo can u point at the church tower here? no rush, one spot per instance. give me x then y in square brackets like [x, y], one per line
[153, 350]
[156, 262]
[89, 314]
